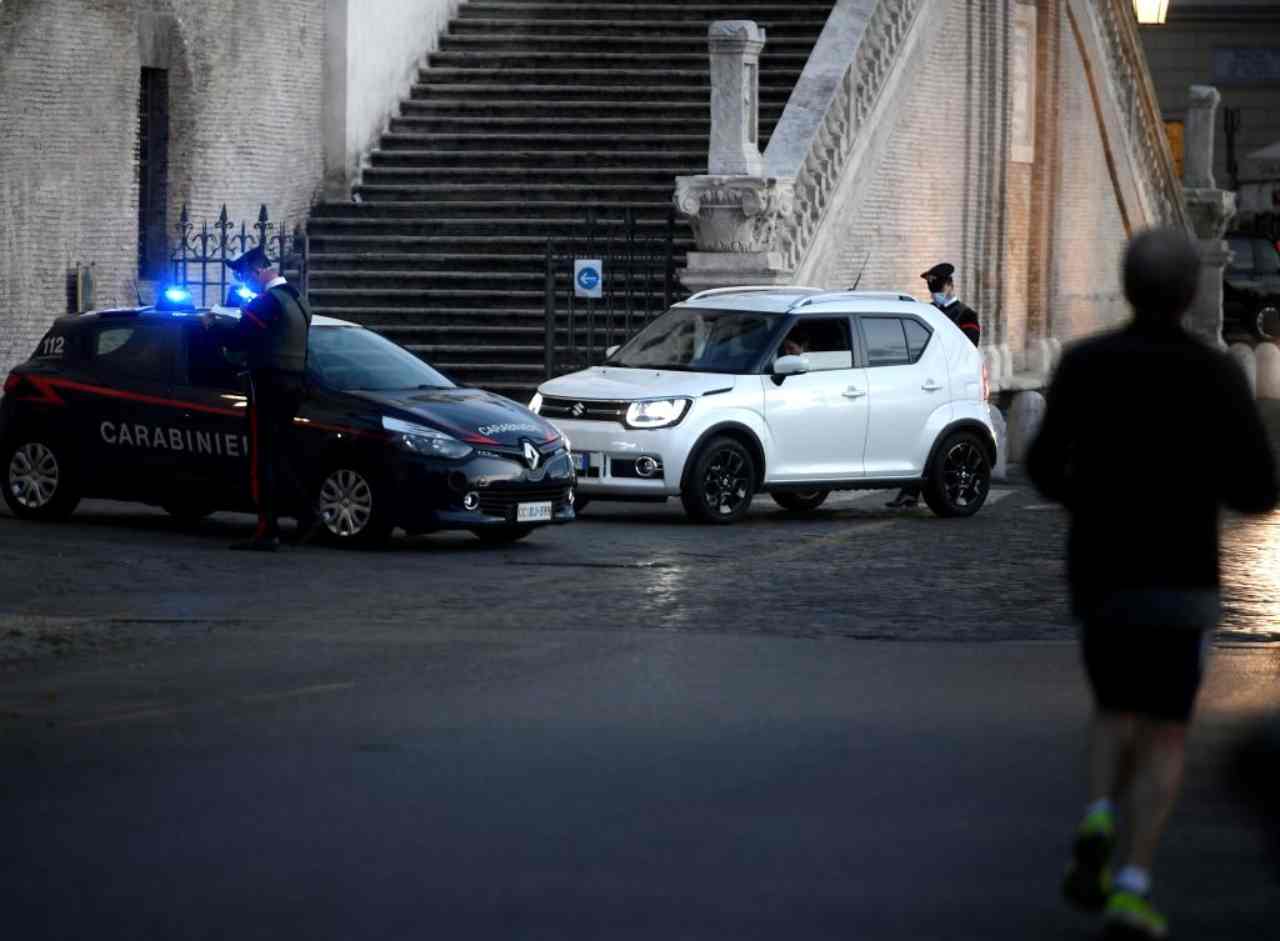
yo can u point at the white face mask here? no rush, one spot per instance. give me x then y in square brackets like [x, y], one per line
[939, 298]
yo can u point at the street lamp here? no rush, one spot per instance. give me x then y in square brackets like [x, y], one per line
[1151, 12]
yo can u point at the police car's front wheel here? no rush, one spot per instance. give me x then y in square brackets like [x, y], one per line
[351, 508]
[39, 483]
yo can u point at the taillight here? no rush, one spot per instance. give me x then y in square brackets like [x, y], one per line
[11, 382]
[986, 383]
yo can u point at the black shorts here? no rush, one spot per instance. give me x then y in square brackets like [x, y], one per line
[1149, 671]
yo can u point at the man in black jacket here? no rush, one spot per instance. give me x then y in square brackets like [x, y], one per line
[1149, 406]
[272, 331]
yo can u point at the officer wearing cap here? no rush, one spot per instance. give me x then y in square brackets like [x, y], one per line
[272, 331]
[941, 281]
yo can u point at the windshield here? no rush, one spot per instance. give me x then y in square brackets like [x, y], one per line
[351, 359]
[699, 341]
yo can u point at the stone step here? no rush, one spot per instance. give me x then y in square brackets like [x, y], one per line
[581, 91]
[404, 134]
[530, 276]
[505, 207]
[387, 300]
[656, 77]
[583, 192]
[409, 317]
[600, 129]
[514, 108]
[672, 13]
[495, 27]
[643, 59]
[546, 174]
[609, 44]
[672, 160]
[477, 231]
[343, 242]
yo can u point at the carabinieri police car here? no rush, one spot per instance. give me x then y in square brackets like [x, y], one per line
[141, 404]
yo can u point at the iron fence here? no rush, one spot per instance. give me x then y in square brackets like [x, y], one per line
[197, 261]
[637, 282]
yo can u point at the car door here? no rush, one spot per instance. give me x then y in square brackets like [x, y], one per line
[907, 382]
[130, 405]
[212, 389]
[817, 419]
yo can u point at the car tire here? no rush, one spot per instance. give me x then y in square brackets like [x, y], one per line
[39, 482]
[187, 513]
[959, 476]
[721, 482]
[502, 535]
[351, 507]
[802, 502]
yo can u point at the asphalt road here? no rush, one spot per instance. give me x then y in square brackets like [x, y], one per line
[857, 724]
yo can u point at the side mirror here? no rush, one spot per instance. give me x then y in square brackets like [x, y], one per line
[790, 365]
[608, 354]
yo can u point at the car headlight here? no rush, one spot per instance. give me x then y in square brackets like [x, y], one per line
[423, 440]
[657, 414]
[535, 403]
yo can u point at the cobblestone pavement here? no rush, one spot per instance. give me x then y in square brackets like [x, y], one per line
[120, 574]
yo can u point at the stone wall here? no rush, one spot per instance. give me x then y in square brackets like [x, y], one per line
[1036, 233]
[245, 113]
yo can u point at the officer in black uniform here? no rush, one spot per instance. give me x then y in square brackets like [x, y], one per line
[272, 332]
[941, 281]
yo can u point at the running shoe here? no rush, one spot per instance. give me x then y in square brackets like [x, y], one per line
[1132, 917]
[1087, 882]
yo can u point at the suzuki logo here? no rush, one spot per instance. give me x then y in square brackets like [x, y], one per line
[531, 455]
[577, 410]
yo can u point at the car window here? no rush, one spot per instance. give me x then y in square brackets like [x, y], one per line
[208, 364]
[824, 342]
[1266, 260]
[1242, 252]
[886, 341]
[917, 338]
[136, 350]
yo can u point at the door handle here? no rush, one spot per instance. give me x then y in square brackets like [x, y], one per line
[853, 393]
[930, 386]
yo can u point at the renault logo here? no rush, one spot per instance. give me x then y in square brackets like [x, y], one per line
[531, 455]
[578, 409]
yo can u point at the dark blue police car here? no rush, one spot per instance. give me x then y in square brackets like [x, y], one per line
[141, 404]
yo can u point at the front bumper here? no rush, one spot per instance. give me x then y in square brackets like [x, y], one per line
[618, 459]
[433, 494]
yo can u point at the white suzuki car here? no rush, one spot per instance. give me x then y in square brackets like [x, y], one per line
[791, 391]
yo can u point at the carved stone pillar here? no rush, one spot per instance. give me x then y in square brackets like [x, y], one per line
[735, 98]
[734, 220]
[735, 209]
[1211, 211]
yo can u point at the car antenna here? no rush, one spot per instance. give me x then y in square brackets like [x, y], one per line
[858, 279]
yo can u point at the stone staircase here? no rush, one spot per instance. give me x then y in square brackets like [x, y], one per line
[531, 112]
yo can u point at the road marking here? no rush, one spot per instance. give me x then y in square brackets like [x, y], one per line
[1043, 506]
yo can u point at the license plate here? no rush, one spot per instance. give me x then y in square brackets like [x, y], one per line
[581, 461]
[533, 512]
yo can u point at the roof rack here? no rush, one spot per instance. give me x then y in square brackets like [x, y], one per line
[755, 289]
[866, 295]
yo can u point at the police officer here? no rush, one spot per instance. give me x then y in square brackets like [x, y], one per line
[272, 332]
[941, 281]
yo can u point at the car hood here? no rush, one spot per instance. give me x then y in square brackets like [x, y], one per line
[471, 415]
[615, 382]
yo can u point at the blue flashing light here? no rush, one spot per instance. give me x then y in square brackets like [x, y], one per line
[244, 293]
[175, 299]
[238, 295]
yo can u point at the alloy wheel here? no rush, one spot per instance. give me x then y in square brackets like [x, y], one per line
[345, 504]
[965, 475]
[726, 483]
[33, 475]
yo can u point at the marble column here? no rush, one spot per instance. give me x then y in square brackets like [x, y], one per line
[1211, 211]
[735, 98]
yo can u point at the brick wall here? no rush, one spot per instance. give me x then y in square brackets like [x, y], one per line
[1036, 245]
[245, 112]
